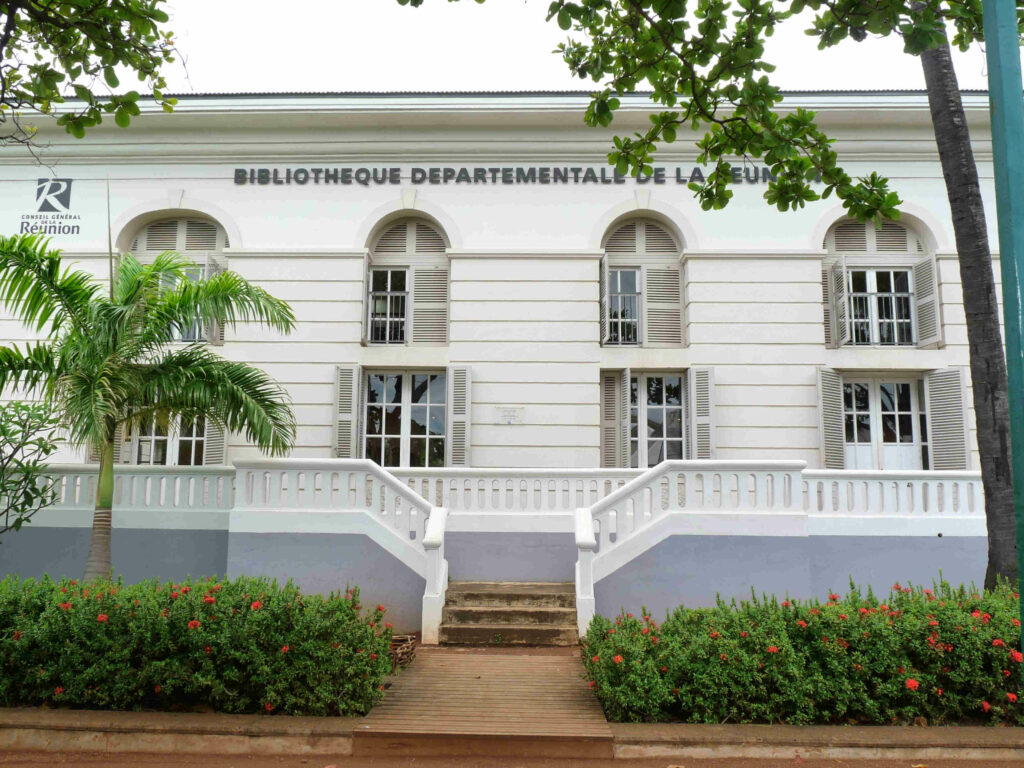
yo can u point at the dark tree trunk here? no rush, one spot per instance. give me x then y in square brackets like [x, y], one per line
[988, 365]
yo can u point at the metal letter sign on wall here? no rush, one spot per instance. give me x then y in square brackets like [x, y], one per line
[53, 195]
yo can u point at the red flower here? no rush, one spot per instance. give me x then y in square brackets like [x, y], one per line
[617, 659]
[156, 690]
[912, 684]
[591, 684]
[985, 618]
[938, 691]
[373, 655]
[381, 608]
[102, 618]
[1006, 673]
[611, 631]
[976, 613]
[1017, 656]
[382, 687]
[285, 648]
[17, 634]
[933, 623]
[744, 634]
[786, 603]
[664, 669]
[269, 707]
[985, 706]
[64, 590]
[645, 631]
[73, 583]
[858, 667]
[715, 635]
[1015, 622]
[596, 658]
[723, 657]
[654, 640]
[209, 600]
[998, 643]
[773, 649]
[833, 597]
[174, 595]
[802, 624]
[815, 612]
[185, 590]
[896, 587]
[675, 691]
[194, 624]
[1012, 698]
[387, 625]
[216, 587]
[901, 670]
[256, 605]
[864, 611]
[207, 649]
[842, 616]
[58, 691]
[65, 606]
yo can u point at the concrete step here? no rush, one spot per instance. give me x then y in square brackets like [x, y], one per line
[465, 615]
[508, 634]
[505, 593]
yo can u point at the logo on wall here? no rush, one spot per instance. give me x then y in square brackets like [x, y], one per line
[52, 214]
[53, 195]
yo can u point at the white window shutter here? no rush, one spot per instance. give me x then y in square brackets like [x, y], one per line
[622, 438]
[946, 409]
[460, 404]
[701, 392]
[610, 419]
[663, 307]
[429, 305]
[215, 450]
[214, 266]
[347, 386]
[364, 332]
[826, 307]
[830, 419]
[605, 286]
[840, 306]
[927, 321]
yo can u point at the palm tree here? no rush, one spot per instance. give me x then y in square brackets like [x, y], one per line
[106, 363]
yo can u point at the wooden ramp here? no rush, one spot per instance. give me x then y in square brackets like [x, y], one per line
[460, 702]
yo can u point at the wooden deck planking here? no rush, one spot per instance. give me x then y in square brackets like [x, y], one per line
[489, 694]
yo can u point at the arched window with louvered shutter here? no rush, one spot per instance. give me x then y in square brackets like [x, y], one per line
[641, 286]
[879, 287]
[407, 285]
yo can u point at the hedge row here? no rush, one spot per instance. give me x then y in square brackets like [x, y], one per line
[945, 654]
[247, 645]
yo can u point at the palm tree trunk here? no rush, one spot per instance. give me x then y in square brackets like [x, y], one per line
[988, 364]
[97, 565]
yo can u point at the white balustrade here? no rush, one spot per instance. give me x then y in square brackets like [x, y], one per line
[923, 492]
[139, 488]
[514, 490]
[437, 576]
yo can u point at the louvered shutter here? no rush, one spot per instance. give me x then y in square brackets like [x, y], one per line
[393, 240]
[946, 409]
[460, 403]
[347, 386]
[122, 449]
[701, 391]
[214, 333]
[850, 236]
[891, 238]
[200, 236]
[658, 240]
[364, 333]
[826, 307]
[622, 438]
[830, 419]
[928, 324]
[622, 240]
[430, 305]
[215, 450]
[605, 283]
[610, 452]
[663, 307]
[840, 306]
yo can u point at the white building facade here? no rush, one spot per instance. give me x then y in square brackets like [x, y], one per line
[475, 288]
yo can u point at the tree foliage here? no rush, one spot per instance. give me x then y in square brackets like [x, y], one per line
[26, 442]
[52, 50]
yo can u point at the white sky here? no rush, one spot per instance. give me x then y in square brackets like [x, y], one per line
[378, 45]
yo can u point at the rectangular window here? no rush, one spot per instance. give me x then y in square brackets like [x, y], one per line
[406, 419]
[623, 306]
[151, 446]
[388, 303]
[192, 442]
[159, 444]
[885, 425]
[657, 402]
[880, 307]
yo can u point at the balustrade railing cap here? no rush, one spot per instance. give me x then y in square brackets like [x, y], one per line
[930, 475]
[140, 469]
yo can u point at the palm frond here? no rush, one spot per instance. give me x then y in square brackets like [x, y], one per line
[33, 286]
[34, 369]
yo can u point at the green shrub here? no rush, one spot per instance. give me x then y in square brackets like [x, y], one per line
[946, 654]
[248, 645]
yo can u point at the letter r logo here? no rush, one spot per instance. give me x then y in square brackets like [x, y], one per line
[53, 195]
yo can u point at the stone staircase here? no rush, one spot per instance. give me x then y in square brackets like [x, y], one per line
[509, 613]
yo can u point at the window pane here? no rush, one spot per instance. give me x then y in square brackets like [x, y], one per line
[397, 331]
[437, 388]
[393, 420]
[860, 393]
[888, 400]
[629, 333]
[883, 282]
[655, 422]
[375, 392]
[859, 281]
[418, 421]
[396, 306]
[394, 389]
[392, 451]
[398, 280]
[655, 453]
[627, 281]
[184, 453]
[655, 393]
[162, 425]
[437, 420]
[848, 397]
[675, 449]
[420, 381]
[145, 452]
[885, 333]
[924, 429]
[160, 452]
[418, 452]
[633, 391]
[379, 280]
[634, 456]
[436, 457]
[902, 282]
[373, 445]
[849, 427]
[903, 396]
[863, 429]
[673, 390]
[633, 422]
[674, 423]
[374, 418]
[199, 453]
[906, 428]
[888, 428]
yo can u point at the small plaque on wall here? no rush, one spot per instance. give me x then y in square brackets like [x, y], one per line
[508, 414]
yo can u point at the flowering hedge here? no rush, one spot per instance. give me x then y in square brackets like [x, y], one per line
[248, 645]
[946, 654]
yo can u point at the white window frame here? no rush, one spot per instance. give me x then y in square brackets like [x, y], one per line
[638, 297]
[919, 418]
[405, 428]
[388, 295]
[173, 439]
[871, 297]
[641, 408]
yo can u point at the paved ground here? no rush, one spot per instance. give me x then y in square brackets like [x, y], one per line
[93, 760]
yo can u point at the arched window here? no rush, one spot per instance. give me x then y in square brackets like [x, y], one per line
[407, 285]
[641, 286]
[879, 287]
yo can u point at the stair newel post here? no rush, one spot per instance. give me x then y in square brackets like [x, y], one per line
[436, 576]
[586, 545]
